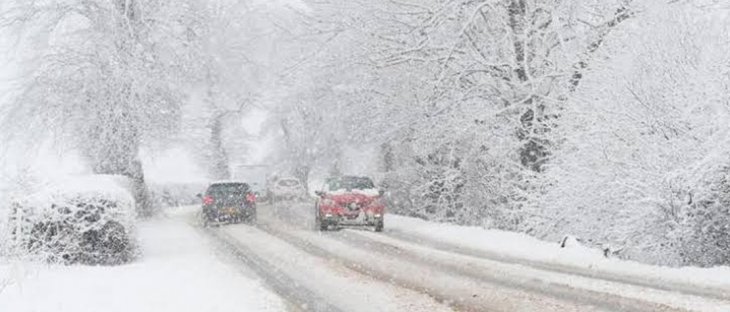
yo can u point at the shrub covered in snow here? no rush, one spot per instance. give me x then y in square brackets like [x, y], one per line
[81, 220]
[478, 181]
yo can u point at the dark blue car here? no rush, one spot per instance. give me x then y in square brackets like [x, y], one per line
[229, 202]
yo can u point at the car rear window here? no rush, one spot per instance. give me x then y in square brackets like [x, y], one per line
[228, 189]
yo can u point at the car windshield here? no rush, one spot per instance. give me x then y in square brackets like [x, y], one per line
[350, 183]
[288, 183]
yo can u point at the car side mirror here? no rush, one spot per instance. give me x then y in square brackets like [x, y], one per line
[381, 192]
[199, 195]
[319, 193]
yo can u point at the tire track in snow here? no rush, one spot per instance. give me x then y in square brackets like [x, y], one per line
[343, 289]
[599, 291]
[293, 219]
[711, 293]
[714, 293]
[537, 280]
[470, 295]
[301, 298]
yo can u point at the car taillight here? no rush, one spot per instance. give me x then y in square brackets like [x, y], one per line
[251, 198]
[208, 200]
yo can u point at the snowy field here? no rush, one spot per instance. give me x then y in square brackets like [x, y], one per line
[178, 271]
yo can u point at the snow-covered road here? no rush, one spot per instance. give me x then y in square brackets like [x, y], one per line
[282, 264]
[460, 280]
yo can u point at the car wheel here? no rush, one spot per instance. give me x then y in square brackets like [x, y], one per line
[207, 217]
[379, 226]
[319, 225]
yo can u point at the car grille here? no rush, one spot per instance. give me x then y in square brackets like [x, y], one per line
[353, 206]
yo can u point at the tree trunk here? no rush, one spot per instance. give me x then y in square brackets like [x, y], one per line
[387, 157]
[218, 156]
[517, 20]
[112, 147]
[533, 151]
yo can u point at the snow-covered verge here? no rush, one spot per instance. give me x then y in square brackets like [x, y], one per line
[522, 246]
[178, 272]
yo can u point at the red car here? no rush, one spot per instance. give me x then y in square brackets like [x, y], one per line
[349, 201]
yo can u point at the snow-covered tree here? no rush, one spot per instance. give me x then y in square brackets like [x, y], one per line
[486, 82]
[103, 77]
[331, 89]
[643, 157]
[238, 66]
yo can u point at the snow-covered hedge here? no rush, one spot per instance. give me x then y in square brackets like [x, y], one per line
[86, 219]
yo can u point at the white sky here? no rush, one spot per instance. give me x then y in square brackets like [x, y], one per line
[174, 165]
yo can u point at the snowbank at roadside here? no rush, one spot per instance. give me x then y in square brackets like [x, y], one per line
[178, 272]
[521, 246]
